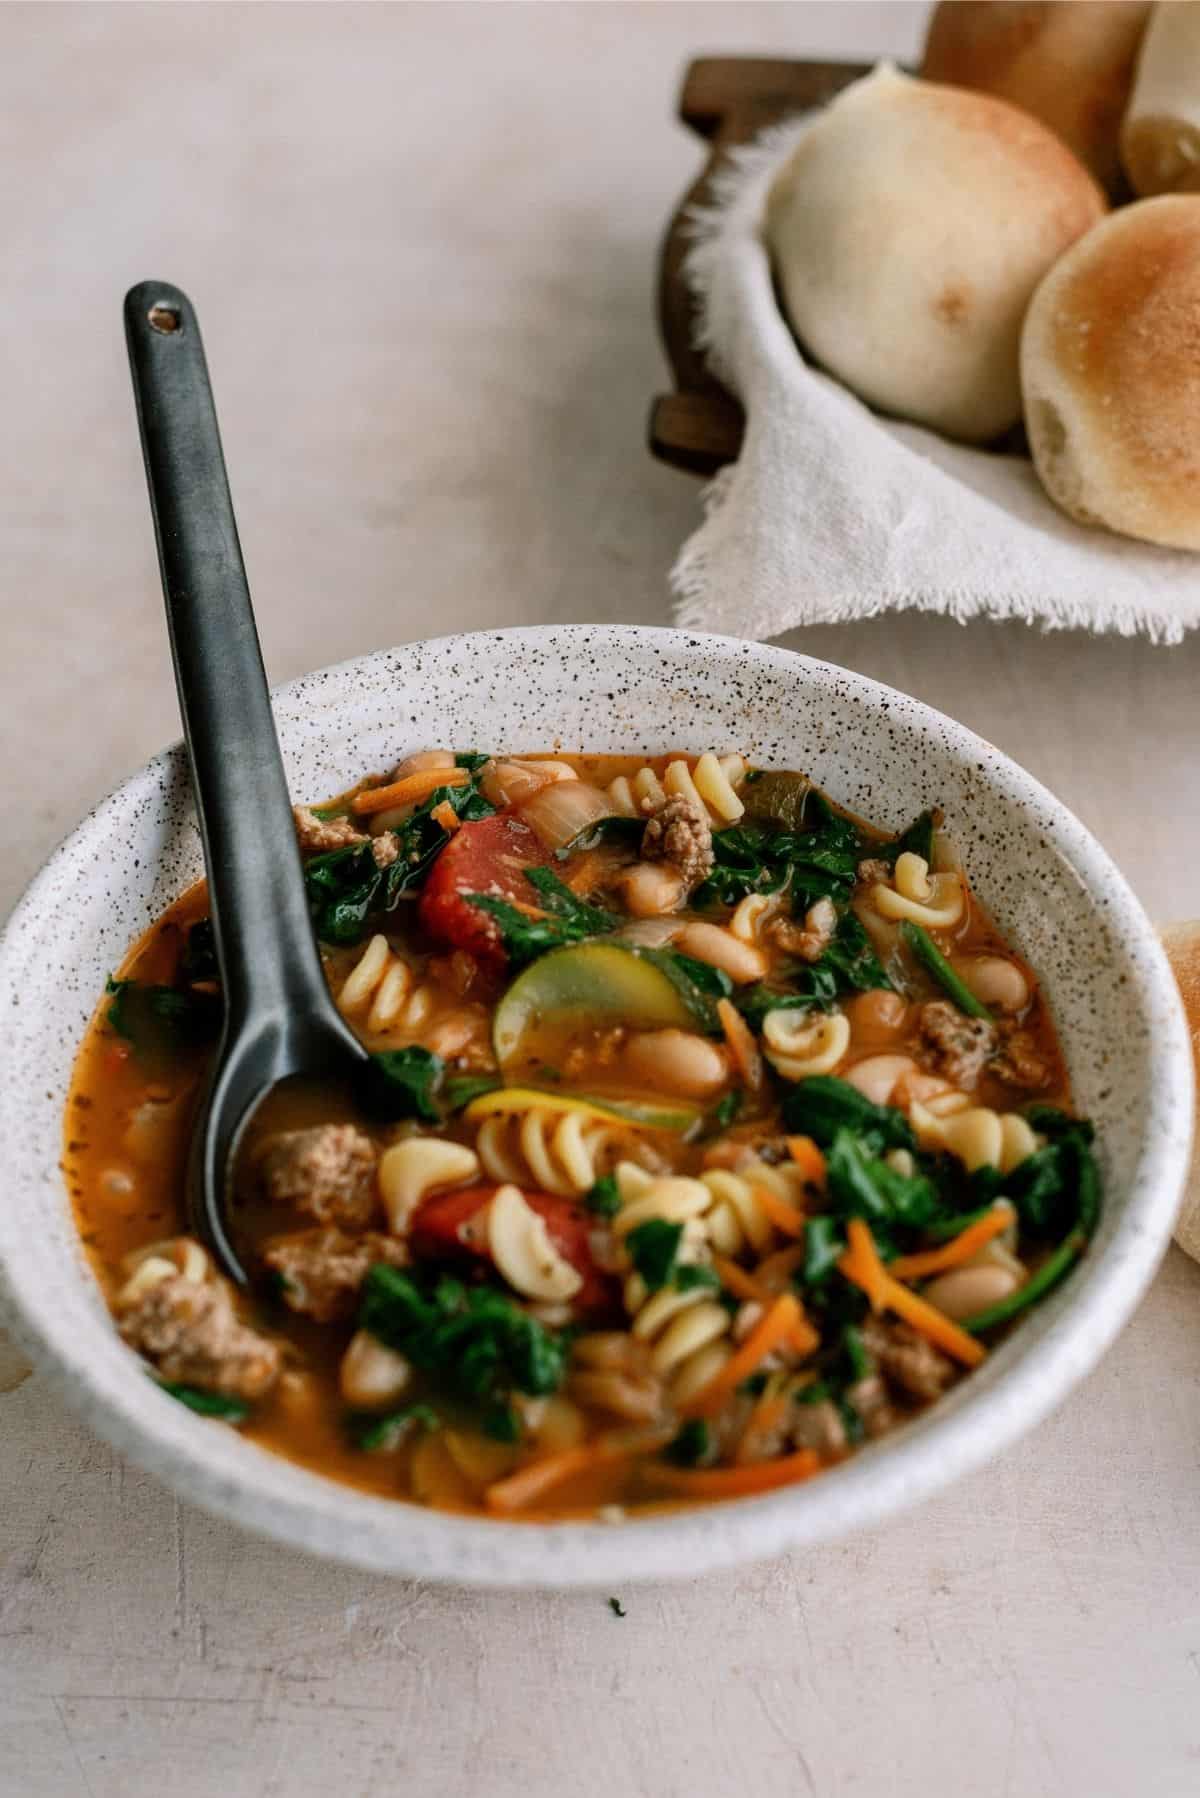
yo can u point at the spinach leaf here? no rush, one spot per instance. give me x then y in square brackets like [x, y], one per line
[472, 760]
[162, 1022]
[207, 1404]
[1049, 1121]
[525, 938]
[401, 1083]
[379, 1434]
[851, 959]
[602, 1197]
[823, 1105]
[824, 1245]
[702, 975]
[653, 1247]
[861, 1185]
[474, 1340]
[916, 840]
[557, 898]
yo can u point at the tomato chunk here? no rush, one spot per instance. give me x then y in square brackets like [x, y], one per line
[488, 856]
[442, 1228]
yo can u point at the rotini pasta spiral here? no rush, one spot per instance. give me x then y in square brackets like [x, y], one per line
[557, 1149]
[687, 1333]
[976, 1136]
[710, 786]
[737, 1219]
[384, 991]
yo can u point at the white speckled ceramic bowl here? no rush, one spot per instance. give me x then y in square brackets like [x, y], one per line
[1048, 883]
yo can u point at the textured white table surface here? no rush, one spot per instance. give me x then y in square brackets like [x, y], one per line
[422, 243]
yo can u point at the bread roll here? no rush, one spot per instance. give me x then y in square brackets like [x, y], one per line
[1160, 139]
[1182, 944]
[1069, 62]
[1110, 367]
[909, 227]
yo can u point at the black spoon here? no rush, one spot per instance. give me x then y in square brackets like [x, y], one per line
[280, 1019]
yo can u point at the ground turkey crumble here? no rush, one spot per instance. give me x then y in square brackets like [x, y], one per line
[321, 1271]
[317, 835]
[679, 833]
[327, 1173]
[194, 1337]
[955, 1046]
[906, 1360]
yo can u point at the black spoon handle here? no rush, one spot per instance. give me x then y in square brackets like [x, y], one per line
[268, 958]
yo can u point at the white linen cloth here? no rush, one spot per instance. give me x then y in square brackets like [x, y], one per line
[833, 513]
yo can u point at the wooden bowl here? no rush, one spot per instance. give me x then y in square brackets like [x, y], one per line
[727, 100]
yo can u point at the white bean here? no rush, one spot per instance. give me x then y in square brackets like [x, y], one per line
[676, 1061]
[649, 889]
[995, 981]
[721, 949]
[372, 1374]
[875, 1077]
[966, 1290]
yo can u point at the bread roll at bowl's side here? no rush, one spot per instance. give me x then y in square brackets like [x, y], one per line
[908, 229]
[1160, 139]
[1110, 367]
[1068, 62]
[1182, 944]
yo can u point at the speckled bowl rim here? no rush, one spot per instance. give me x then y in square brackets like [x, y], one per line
[269, 1495]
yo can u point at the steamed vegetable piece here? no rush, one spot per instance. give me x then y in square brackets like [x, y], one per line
[675, 1115]
[473, 1340]
[599, 981]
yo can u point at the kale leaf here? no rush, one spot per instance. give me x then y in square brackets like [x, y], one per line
[402, 1083]
[821, 1106]
[691, 1445]
[602, 1197]
[474, 1340]
[861, 1185]
[916, 840]
[653, 1247]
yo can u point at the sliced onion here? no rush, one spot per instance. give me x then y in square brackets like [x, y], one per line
[564, 811]
[507, 782]
[649, 933]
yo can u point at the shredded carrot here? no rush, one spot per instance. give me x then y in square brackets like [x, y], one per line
[413, 787]
[786, 1219]
[768, 1413]
[529, 1484]
[445, 815]
[955, 1252]
[808, 1158]
[775, 1326]
[742, 1045]
[735, 1279]
[862, 1265]
[735, 1482]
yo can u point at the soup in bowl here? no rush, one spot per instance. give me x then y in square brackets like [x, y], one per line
[774, 1098]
